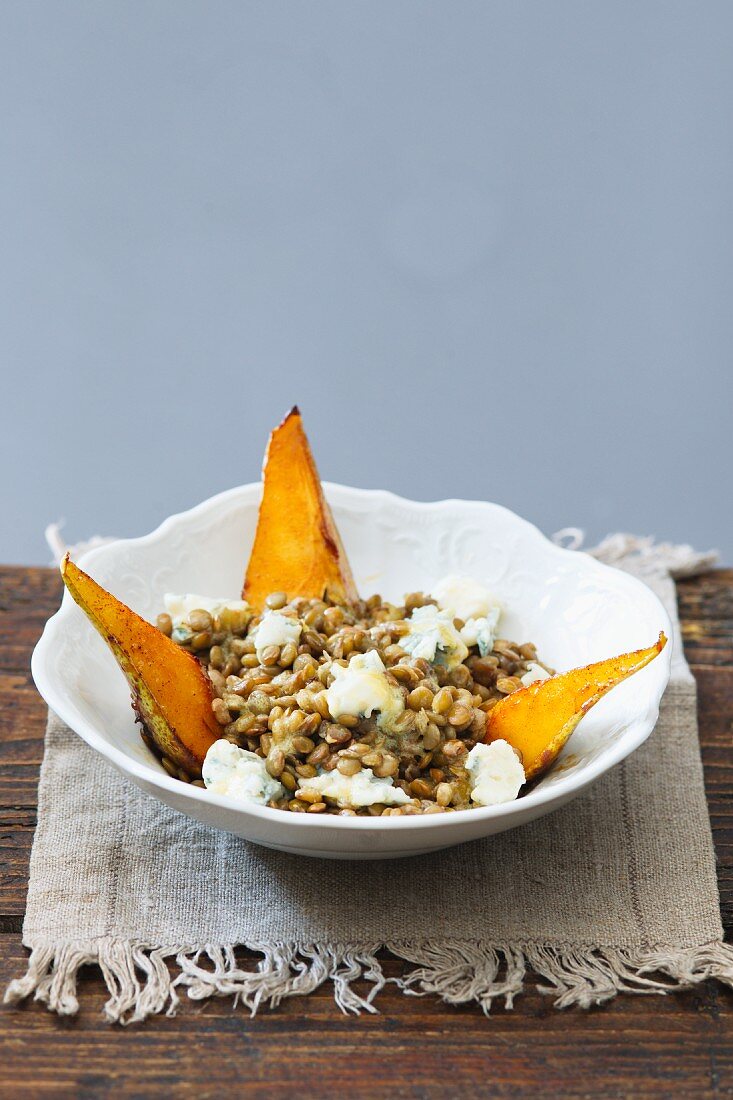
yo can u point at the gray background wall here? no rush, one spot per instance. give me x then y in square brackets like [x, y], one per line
[486, 246]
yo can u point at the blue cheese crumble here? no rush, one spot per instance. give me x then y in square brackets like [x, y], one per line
[534, 673]
[433, 637]
[466, 599]
[482, 632]
[276, 629]
[361, 688]
[239, 774]
[496, 773]
[352, 791]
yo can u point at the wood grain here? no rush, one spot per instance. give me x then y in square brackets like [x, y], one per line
[418, 1048]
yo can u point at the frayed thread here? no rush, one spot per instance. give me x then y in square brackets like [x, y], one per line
[641, 553]
[144, 981]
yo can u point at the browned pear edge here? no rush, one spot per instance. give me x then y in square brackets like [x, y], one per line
[524, 697]
[184, 727]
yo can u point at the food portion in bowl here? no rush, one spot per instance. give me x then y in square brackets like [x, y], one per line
[303, 697]
[361, 706]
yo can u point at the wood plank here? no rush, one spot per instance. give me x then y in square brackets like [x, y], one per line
[27, 597]
[16, 836]
[706, 616]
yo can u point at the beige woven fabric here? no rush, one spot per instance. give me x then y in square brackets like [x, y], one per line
[614, 892]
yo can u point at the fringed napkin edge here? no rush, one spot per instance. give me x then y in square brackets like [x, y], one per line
[141, 983]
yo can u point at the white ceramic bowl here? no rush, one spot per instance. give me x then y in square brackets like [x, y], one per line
[572, 607]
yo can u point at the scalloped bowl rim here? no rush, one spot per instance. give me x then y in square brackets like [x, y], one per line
[566, 787]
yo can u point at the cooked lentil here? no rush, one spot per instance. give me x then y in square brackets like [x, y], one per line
[277, 706]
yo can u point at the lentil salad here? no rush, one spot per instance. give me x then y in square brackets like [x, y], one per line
[354, 708]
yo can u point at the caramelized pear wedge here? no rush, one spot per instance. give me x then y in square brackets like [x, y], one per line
[297, 547]
[538, 720]
[171, 693]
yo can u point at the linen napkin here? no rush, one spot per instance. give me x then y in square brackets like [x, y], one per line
[616, 892]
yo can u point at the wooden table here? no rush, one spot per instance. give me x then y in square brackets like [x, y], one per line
[680, 1045]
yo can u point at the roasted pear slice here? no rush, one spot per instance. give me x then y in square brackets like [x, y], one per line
[297, 547]
[537, 720]
[171, 693]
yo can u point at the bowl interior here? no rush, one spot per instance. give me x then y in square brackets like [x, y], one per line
[572, 607]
